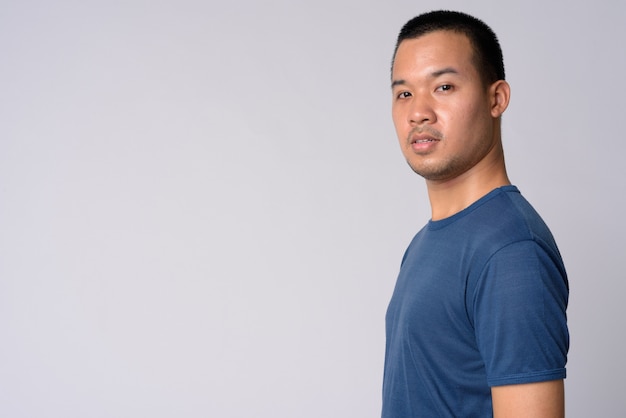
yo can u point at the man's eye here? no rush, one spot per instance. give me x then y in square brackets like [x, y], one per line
[403, 95]
[445, 87]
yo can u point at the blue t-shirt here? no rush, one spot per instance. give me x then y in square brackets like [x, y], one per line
[480, 301]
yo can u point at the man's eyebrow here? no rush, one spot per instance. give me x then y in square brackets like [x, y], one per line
[434, 74]
[447, 70]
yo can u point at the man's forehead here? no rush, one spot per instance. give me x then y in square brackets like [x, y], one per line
[432, 40]
[440, 49]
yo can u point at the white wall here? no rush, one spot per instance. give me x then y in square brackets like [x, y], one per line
[203, 206]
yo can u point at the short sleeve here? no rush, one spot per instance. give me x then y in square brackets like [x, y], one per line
[519, 315]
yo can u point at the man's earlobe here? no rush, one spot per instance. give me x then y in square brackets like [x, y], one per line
[500, 93]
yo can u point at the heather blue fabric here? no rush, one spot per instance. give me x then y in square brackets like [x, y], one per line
[480, 301]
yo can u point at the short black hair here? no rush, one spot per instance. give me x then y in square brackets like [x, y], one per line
[487, 52]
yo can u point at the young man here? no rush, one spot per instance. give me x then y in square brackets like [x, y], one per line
[476, 326]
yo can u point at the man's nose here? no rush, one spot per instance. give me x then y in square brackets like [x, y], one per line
[421, 111]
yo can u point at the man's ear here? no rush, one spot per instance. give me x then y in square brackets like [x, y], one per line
[500, 94]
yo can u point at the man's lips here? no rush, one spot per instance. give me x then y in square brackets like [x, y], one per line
[422, 139]
[424, 136]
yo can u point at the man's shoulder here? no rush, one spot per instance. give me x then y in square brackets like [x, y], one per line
[506, 213]
[502, 214]
[505, 218]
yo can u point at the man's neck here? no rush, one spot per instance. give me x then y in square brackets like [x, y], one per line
[452, 196]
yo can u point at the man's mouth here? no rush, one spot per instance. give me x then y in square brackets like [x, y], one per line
[420, 139]
[424, 136]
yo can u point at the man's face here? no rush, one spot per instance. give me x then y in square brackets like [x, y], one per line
[441, 109]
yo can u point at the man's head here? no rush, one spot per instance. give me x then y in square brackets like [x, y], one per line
[446, 107]
[487, 52]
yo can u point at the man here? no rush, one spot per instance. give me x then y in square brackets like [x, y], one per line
[476, 326]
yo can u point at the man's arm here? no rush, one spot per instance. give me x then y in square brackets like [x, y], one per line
[536, 400]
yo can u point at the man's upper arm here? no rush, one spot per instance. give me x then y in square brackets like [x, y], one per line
[536, 400]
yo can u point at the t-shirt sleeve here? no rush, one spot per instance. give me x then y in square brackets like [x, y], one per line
[519, 315]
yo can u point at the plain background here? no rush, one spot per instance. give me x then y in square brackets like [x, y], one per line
[203, 205]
